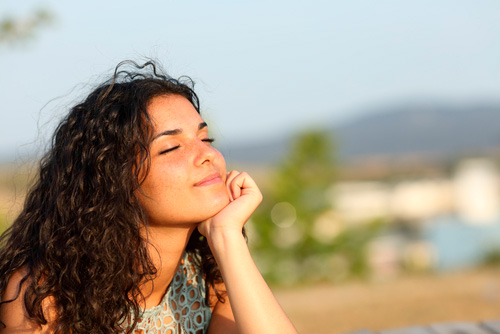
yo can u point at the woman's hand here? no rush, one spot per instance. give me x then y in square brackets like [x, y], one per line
[244, 197]
[249, 296]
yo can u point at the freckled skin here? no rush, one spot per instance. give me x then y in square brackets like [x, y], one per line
[170, 194]
[188, 185]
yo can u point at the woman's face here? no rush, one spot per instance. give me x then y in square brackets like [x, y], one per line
[186, 181]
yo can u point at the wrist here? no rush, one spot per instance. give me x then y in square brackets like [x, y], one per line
[221, 240]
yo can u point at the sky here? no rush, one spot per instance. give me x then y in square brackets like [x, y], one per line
[262, 68]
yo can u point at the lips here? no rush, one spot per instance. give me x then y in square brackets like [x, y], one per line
[209, 180]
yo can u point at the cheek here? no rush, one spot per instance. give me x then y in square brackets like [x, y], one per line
[169, 175]
[159, 182]
[220, 162]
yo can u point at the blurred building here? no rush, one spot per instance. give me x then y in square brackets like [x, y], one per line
[476, 190]
[473, 193]
[457, 219]
[409, 200]
[359, 202]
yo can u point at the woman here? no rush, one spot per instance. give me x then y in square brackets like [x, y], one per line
[134, 225]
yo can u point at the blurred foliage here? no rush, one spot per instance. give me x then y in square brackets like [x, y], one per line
[15, 179]
[4, 223]
[19, 29]
[296, 234]
[492, 257]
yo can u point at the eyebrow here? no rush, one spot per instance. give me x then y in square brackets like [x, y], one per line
[174, 132]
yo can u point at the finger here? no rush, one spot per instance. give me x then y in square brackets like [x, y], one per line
[243, 184]
[229, 179]
[235, 186]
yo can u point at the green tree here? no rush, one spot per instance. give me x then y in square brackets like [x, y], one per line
[306, 173]
[289, 245]
[19, 29]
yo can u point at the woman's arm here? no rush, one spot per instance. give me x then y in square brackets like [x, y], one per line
[252, 303]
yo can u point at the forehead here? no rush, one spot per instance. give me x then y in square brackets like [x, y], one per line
[172, 112]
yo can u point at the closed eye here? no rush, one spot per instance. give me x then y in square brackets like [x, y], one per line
[169, 149]
[206, 140]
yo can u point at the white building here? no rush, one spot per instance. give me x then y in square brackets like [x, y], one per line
[473, 193]
[477, 191]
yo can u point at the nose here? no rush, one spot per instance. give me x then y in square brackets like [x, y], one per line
[205, 153]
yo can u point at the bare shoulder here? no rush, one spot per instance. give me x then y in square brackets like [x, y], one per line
[222, 315]
[13, 313]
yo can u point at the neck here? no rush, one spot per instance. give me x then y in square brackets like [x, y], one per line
[166, 245]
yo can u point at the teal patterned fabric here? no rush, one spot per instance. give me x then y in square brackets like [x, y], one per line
[183, 309]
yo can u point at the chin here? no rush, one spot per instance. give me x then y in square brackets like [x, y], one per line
[216, 206]
[221, 204]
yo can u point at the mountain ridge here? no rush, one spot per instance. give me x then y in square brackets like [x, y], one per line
[414, 129]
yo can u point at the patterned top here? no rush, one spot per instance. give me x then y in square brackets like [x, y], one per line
[182, 309]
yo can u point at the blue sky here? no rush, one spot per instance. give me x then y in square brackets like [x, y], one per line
[262, 68]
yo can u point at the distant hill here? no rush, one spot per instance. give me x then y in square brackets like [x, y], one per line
[398, 131]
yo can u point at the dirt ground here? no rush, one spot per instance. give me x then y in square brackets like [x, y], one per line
[470, 296]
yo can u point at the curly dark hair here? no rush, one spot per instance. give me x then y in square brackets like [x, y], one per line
[77, 237]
